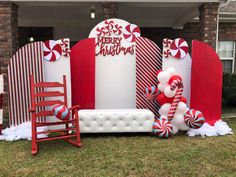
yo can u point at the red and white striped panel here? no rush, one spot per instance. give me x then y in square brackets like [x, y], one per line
[148, 61]
[26, 61]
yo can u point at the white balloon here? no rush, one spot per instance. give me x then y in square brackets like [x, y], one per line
[175, 129]
[181, 108]
[164, 109]
[163, 117]
[178, 121]
[183, 127]
[169, 93]
[163, 77]
[162, 86]
[171, 71]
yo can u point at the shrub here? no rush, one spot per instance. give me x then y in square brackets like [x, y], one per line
[229, 90]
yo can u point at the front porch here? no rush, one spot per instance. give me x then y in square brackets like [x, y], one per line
[57, 19]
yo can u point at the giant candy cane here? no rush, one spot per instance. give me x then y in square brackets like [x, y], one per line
[175, 83]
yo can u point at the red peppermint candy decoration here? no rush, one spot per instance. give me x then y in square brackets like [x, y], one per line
[61, 112]
[109, 24]
[151, 92]
[194, 119]
[109, 27]
[117, 30]
[65, 47]
[179, 48]
[51, 50]
[162, 128]
[167, 53]
[166, 42]
[131, 32]
[101, 31]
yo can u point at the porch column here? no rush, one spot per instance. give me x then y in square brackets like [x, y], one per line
[208, 15]
[110, 9]
[8, 43]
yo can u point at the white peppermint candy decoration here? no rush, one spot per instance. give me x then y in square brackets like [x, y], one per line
[51, 50]
[131, 32]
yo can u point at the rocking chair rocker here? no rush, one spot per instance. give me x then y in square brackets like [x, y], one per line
[41, 100]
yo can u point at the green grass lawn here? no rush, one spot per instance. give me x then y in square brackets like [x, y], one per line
[124, 155]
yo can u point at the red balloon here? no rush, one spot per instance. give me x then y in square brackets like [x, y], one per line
[162, 99]
[175, 77]
[150, 92]
[183, 99]
[158, 72]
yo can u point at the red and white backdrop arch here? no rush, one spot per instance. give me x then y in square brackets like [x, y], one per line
[112, 69]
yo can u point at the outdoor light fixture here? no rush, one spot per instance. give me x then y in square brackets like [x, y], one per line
[92, 12]
[31, 39]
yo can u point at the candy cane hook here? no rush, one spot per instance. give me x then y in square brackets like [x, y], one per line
[176, 83]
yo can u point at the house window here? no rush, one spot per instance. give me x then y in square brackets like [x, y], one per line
[226, 52]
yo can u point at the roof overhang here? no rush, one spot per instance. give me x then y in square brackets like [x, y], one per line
[163, 1]
[76, 13]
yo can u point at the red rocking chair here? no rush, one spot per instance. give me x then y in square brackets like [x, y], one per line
[38, 111]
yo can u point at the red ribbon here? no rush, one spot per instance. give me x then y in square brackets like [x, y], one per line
[101, 31]
[117, 29]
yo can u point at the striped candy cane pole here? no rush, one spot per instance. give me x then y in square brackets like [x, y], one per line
[176, 83]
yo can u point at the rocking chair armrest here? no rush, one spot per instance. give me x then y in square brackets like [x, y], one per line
[32, 110]
[75, 107]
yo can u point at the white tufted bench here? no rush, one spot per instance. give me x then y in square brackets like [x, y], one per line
[116, 120]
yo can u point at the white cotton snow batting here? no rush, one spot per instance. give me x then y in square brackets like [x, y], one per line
[22, 131]
[219, 128]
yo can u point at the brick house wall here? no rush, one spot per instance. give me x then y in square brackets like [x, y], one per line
[227, 31]
[110, 9]
[8, 44]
